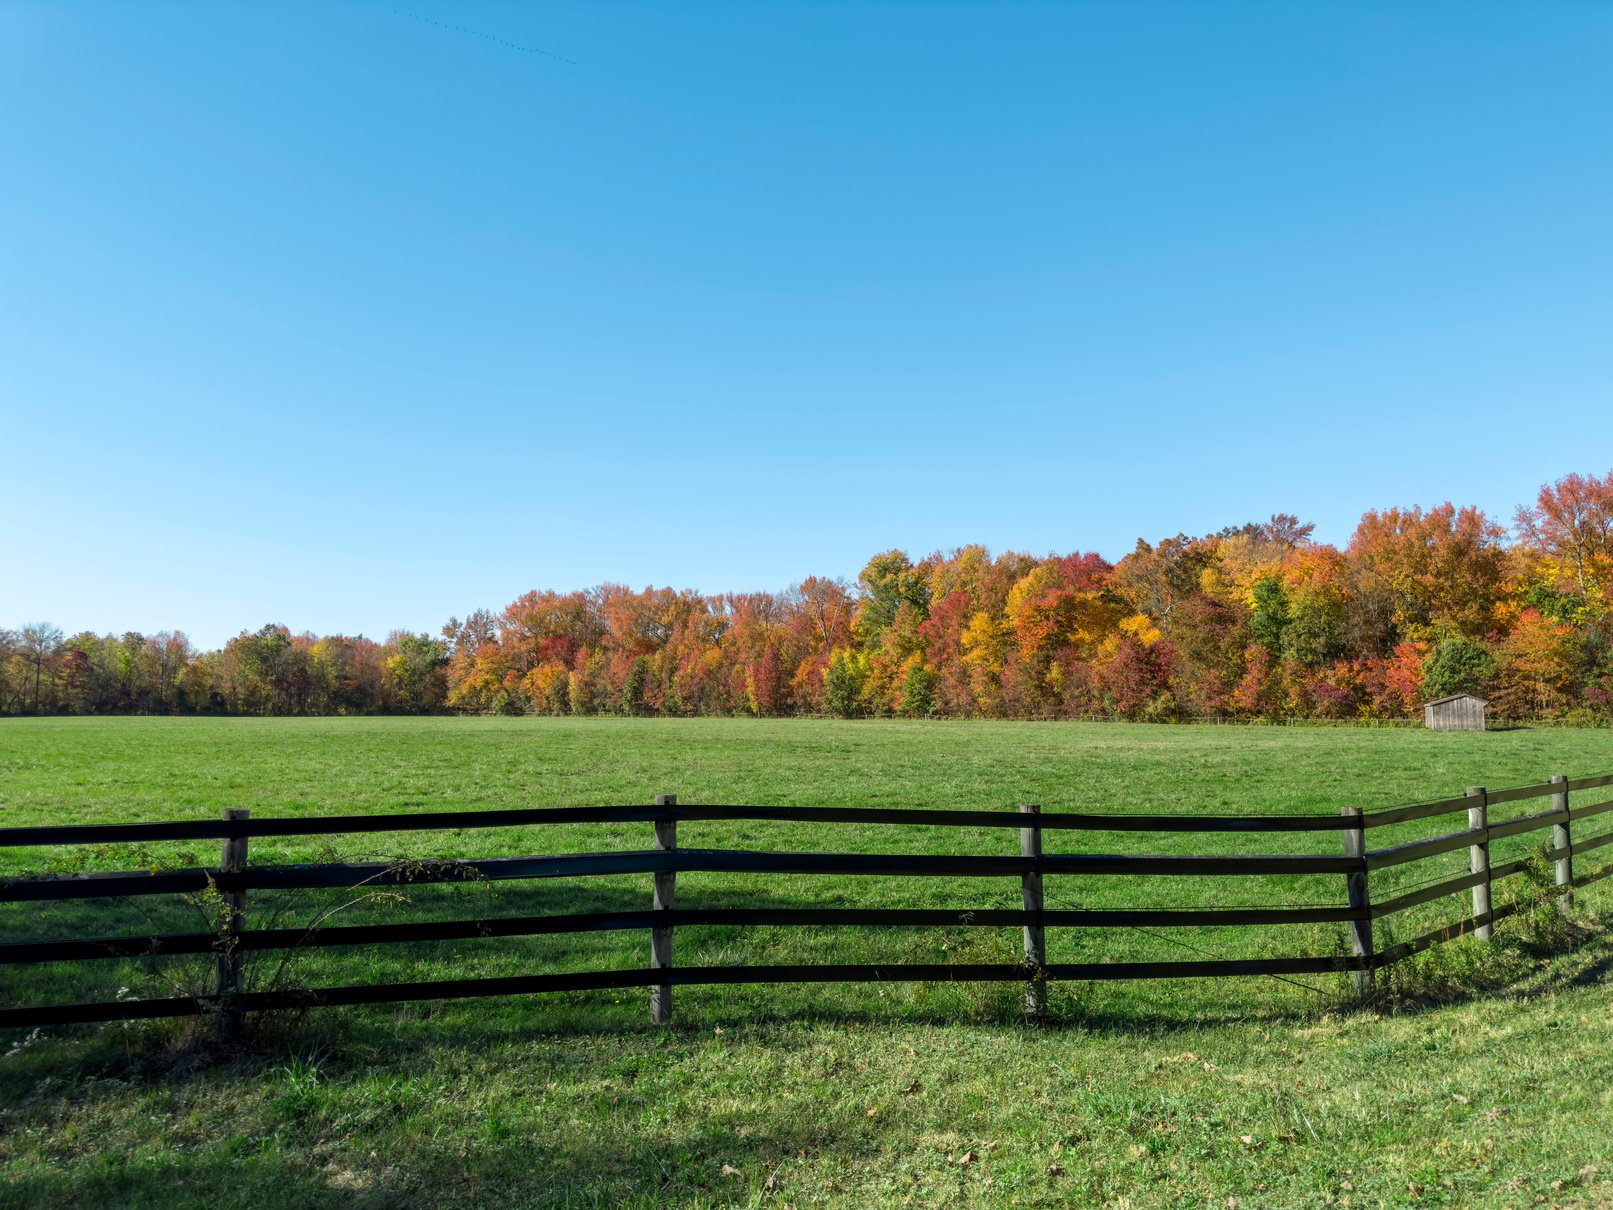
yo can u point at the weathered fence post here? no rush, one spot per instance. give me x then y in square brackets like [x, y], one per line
[1478, 820]
[227, 982]
[1563, 841]
[1360, 898]
[666, 841]
[1030, 897]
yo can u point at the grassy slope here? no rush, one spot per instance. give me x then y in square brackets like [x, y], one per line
[538, 1102]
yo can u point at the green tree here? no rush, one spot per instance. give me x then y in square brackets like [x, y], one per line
[261, 664]
[888, 582]
[638, 675]
[843, 684]
[560, 693]
[1457, 665]
[918, 692]
[583, 687]
[414, 678]
[1271, 614]
[1315, 631]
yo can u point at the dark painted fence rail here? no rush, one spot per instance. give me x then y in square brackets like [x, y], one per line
[235, 878]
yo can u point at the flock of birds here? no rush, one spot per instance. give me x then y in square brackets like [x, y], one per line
[476, 33]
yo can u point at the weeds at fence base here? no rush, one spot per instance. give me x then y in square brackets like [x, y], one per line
[1537, 930]
[1542, 929]
[1467, 967]
[1448, 973]
[993, 1003]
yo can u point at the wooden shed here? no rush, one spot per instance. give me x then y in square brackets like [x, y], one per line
[1458, 712]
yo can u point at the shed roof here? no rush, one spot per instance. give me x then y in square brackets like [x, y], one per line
[1456, 697]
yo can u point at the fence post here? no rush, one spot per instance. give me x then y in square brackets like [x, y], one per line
[666, 841]
[1360, 896]
[227, 977]
[1562, 841]
[1478, 819]
[1030, 897]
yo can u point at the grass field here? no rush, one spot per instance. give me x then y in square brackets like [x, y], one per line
[1174, 1093]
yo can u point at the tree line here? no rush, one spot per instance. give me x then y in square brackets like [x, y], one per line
[1254, 621]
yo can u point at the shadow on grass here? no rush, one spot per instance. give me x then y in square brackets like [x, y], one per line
[495, 1161]
[309, 1134]
[1512, 968]
[157, 1183]
[688, 1164]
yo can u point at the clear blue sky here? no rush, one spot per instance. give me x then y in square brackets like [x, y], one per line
[331, 316]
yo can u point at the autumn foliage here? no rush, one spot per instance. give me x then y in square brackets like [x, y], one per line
[1257, 621]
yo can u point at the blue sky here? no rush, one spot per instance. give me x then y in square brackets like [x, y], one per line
[332, 316]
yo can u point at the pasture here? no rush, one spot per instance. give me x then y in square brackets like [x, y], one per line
[1164, 1093]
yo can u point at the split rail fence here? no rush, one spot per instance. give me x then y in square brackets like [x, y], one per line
[235, 879]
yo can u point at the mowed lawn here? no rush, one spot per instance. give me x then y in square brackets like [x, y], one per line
[1172, 1093]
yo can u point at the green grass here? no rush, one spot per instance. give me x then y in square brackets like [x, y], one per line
[1141, 1094]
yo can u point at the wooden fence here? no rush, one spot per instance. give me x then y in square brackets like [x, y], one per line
[234, 879]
